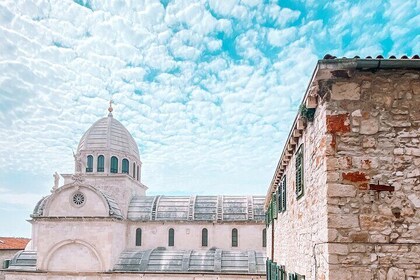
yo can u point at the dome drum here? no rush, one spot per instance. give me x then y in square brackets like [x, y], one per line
[107, 147]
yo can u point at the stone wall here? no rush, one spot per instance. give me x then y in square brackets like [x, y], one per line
[359, 217]
[300, 233]
[128, 276]
[67, 242]
[188, 235]
[373, 162]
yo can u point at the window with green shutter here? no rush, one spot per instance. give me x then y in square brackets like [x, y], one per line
[273, 271]
[274, 199]
[268, 269]
[299, 172]
[282, 201]
[282, 273]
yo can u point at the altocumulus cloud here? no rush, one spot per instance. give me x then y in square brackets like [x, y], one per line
[207, 88]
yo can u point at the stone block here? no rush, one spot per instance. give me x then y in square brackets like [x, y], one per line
[340, 190]
[357, 248]
[359, 236]
[375, 222]
[395, 274]
[413, 151]
[338, 249]
[368, 142]
[338, 123]
[415, 199]
[345, 91]
[343, 221]
[369, 126]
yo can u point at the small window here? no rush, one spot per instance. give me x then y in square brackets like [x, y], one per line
[204, 237]
[264, 238]
[274, 200]
[138, 237]
[299, 173]
[138, 172]
[134, 170]
[114, 164]
[282, 195]
[171, 239]
[100, 167]
[89, 165]
[125, 166]
[234, 237]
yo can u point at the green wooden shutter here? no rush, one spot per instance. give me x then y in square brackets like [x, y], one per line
[283, 194]
[274, 198]
[273, 271]
[268, 269]
[299, 172]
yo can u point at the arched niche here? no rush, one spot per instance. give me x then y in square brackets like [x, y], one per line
[71, 256]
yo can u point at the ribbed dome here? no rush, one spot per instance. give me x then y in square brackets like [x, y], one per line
[108, 134]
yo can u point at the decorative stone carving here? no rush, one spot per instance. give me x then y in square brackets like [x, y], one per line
[78, 179]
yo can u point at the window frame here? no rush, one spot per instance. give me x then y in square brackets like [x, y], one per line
[299, 172]
[282, 195]
[204, 237]
[138, 236]
[89, 163]
[171, 237]
[264, 238]
[235, 237]
[125, 166]
[100, 167]
[111, 167]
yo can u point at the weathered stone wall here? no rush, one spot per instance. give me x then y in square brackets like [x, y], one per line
[300, 233]
[373, 131]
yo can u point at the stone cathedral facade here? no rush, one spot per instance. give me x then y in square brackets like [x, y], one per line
[344, 201]
[101, 225]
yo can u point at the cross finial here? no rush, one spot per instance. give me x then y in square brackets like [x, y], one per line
[110, 109]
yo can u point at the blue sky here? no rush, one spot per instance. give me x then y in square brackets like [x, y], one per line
[208, 89]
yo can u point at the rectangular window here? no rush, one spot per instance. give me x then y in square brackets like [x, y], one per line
[274, 200]
[299, 172]
[171, 240]
[234, 237]
[282, 195]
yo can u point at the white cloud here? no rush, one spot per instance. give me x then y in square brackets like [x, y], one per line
[208, 89]
[280, 38]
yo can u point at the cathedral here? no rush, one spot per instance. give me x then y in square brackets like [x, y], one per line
[101, 225]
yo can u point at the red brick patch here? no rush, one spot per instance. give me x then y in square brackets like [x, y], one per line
[355, 177]
[338, 123]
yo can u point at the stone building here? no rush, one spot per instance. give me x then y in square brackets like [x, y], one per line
[344, 201]
[9, 246]
[100, 224]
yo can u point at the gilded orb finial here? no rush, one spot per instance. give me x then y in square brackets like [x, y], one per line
[110, 109]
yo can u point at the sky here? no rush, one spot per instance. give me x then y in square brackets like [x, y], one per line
[208, 89]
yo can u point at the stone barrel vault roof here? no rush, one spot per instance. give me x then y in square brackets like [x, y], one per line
[196, 208]
[108, 134]
[190, 261]
[24, 260]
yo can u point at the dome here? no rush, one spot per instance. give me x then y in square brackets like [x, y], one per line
[108, 134]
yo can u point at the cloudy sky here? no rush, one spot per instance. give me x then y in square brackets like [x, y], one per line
[208, 89]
